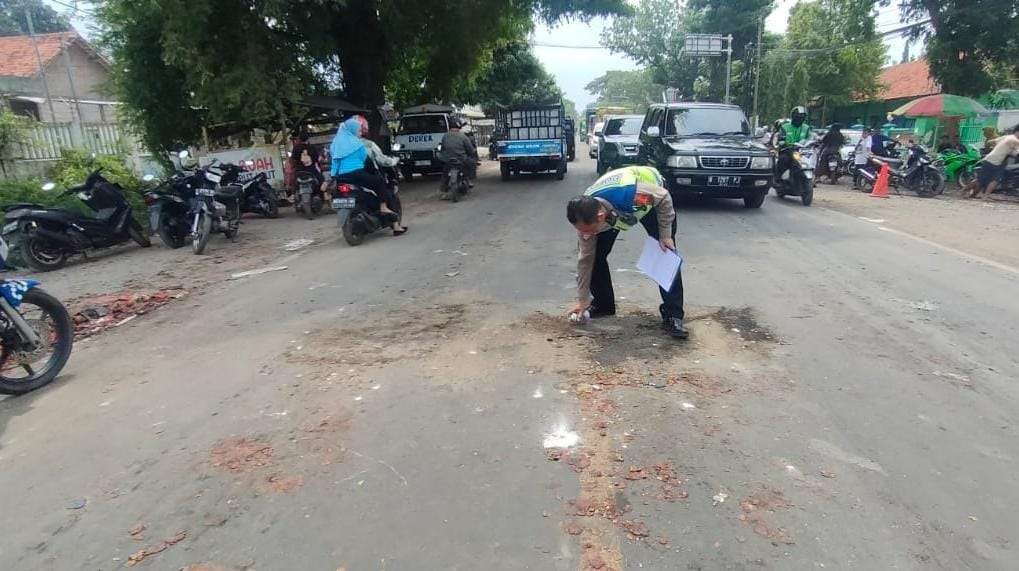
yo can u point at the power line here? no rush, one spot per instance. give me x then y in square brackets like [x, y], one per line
[538, 44]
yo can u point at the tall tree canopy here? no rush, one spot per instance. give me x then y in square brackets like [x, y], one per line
[44, 19]
[829, 56]
[653, 36]
[244, 60]
[634, 88]
[513, 75]
[972, 45]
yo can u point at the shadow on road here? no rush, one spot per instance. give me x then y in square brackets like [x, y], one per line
[14, 406]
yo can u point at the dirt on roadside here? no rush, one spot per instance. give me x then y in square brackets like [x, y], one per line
[985, 228]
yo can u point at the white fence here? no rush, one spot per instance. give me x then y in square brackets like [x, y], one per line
[46, 140]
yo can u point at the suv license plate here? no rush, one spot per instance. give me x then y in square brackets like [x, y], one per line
[205, 192]
[339, 203]
[724, 180]
[422, 163]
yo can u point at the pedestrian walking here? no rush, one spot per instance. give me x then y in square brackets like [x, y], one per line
[614, 203]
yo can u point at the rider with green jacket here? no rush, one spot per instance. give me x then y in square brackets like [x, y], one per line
[793, 131]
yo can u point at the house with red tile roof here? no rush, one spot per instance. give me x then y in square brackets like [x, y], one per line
[899, 84]
[75, 73]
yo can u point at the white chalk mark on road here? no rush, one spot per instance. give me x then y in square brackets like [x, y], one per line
[832, 451]
[387, 465]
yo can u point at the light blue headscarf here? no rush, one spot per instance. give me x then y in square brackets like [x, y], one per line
[347, 150]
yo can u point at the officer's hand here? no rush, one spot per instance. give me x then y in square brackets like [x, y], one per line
[578, 309]
[667, 244]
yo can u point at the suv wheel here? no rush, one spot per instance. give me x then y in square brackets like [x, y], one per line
[754, 200]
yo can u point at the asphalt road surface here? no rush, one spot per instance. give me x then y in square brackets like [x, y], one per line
[847, 400]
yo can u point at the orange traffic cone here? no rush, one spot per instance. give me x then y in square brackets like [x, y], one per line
[881, 184]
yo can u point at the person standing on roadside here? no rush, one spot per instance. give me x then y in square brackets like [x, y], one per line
[616, 202]
[992, 167]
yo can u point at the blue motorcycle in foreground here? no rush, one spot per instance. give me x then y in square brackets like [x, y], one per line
[36, 334]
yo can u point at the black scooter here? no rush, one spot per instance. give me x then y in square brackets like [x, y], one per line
[257, 195]
[47, 236]
[309, 198]
[359, 209]
[918, 173]
[169, 204]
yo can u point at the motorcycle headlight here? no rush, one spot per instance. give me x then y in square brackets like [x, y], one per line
[797, 156]
[682, 161]
[760, 163]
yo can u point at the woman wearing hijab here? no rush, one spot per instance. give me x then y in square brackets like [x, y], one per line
[349, 155]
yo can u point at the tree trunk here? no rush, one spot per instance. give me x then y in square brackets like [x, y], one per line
[364, 77]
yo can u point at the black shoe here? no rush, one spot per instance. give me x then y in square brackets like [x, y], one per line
[599, 312]
[674, 327]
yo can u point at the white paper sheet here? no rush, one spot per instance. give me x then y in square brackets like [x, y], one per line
[658, 265]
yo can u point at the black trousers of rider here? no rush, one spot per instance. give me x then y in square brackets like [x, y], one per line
[601, 276]
[362, 177]
[784, 162]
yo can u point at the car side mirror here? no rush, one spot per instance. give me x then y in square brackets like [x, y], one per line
[182, 155]
[654, 132]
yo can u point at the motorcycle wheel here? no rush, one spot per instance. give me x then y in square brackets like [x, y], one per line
[966, 179]
[307, 210]
[272, 206]
[806, 193]
[170, 238]
[137, 234]
[350, 234]
[316, 204]
[50, 320]
[40, 257]
[201, 236]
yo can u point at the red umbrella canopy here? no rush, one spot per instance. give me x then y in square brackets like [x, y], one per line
[942, 105]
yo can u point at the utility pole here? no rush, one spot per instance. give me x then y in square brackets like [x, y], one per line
[64, 47]
[38, 59]
[728, 68]
[757, 72]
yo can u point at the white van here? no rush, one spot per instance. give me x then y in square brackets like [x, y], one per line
[421, 130]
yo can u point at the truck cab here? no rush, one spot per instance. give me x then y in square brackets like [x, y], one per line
[706, 149]
[420, 132]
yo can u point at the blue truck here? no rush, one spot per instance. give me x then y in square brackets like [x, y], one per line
[532, 138]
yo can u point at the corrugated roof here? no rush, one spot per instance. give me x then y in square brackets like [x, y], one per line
[907, 80]
[17, 58]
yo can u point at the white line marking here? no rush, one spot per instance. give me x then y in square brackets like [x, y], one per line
[998, 265]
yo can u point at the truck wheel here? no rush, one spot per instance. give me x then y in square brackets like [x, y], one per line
[754, 200]
[408, 173]
[560, 173]
[600, 167]
[504, 170]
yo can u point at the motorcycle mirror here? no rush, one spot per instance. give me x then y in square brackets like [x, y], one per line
[49, 186]
[148, 177]
[183, 154]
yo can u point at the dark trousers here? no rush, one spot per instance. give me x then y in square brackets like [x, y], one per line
[362, 177]
[601, 276]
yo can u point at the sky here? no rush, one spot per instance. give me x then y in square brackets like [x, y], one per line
[575, 68]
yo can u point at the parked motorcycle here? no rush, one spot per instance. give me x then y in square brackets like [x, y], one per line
[45, 237]
[798, 179]
[36, 334]
[1009, 179]
[213, 208]
[257, 195]
[960, 167]
[309, 198]
[169, 206]
[918, 173]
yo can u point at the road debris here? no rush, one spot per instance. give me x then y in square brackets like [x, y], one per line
[561, 437]
[136, 532]
[756, 509]
[925, 305]
[257, 272]
[77, 504]
[537, 393]
[141, 554]
[241, 454]
[452, 274]
[95, 314]
[636, 529]
[294, 245]
[719, 498]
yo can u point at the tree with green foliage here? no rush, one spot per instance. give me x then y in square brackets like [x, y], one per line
[829, 56]
[653, 36]
[972, 45]
[12, 132]
[512, 76]
[632, 88]
[181, 65]
[45, 20]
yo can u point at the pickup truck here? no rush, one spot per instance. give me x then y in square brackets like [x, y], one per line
[535, 140]
[706, 149]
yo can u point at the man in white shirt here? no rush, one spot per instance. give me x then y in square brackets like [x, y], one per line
[992, 167]
[861, 155]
